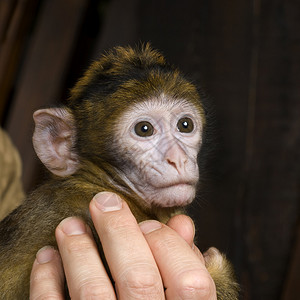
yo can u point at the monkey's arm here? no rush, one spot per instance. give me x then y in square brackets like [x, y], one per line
[18, 245]
[30, 227]
[222, 273]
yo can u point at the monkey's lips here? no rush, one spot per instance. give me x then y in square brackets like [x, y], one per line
[176, 183]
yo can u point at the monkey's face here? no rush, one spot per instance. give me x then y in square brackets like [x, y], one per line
[158, 141]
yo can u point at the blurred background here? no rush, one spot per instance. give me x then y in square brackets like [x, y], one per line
[246, 55]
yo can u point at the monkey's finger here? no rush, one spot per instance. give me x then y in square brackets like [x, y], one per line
[85, 273]
[128, 254]
[47, 276]
[184, 274]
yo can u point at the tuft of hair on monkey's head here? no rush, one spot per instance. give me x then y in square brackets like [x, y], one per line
[120, 78]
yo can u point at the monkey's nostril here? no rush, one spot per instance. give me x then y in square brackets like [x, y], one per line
[172, 163]
[179, 166]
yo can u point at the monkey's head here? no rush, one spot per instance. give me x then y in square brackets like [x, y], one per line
[135, 114]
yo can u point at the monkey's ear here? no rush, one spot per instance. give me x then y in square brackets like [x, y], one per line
[53, 140]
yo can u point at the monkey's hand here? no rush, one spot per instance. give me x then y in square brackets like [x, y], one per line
[222, 273]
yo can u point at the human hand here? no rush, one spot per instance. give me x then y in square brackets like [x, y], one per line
[146, 260]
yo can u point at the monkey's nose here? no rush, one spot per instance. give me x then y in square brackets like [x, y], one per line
[177, 158]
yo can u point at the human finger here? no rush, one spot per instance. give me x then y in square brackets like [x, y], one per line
[127, 253]
[84, 270]
[185, 227]
[47, 276]
[184, 274]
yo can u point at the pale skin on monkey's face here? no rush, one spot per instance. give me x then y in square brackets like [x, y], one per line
[159, 161]
[161, 139]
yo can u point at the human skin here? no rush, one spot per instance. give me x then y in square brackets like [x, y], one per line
[149, 260]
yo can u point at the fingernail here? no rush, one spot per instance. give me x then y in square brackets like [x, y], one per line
[72, 226]
[45, 255]
[107, 201]
[149, 226]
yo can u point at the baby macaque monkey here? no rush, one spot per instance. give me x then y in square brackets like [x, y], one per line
[133, 125]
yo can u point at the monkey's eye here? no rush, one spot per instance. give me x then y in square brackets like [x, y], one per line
[185, 125]
[144, 129]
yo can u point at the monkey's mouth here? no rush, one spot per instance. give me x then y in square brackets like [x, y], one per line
[178, 184]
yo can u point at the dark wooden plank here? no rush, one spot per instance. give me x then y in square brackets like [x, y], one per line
[124, 31]
[274, 167]
[291, 285]
[43, 72]
[6, 11]
[15, 20]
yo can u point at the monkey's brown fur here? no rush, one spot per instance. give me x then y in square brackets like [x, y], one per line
[120, 78]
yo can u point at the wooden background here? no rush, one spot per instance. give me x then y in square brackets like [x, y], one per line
[246, 54]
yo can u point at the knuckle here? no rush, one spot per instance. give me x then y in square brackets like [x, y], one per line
[48, 282]
[168, 242]
[48, 296]
[118, 224]
[89, 285]
[94, 291]
[80, 245]
[41, 274]
[195, 284]
[139, 284]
